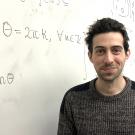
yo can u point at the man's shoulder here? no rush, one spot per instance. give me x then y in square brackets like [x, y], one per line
[76, 92]
[81, 87]
[78, 89]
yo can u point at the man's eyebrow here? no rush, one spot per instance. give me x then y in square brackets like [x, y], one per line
[99, 47]
[119, 46]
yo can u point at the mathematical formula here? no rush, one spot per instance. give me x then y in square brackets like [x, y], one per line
[41, 33]
[124, 8]
[7, 79]
[52, 2]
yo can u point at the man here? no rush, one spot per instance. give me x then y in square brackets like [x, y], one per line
[106, 104]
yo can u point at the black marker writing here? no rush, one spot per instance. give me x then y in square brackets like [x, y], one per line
[31, 34]
[44, 35]
[68, 37]
[54, 2]
[124, 8]
[7, 29]
[41, 34]
[8, 79]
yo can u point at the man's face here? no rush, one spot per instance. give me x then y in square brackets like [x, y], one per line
[108, 56]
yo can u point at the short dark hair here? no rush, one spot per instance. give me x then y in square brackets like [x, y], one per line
[106, 25]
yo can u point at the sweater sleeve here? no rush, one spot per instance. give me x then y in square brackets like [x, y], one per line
[66, 123]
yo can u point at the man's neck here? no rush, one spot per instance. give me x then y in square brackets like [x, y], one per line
[110, 88]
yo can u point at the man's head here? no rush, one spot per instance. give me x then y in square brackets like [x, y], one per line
[108, 48]
[103, 26]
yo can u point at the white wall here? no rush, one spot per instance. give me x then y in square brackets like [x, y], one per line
[43, 54]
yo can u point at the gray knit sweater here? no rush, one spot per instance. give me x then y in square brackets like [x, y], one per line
[84, 111]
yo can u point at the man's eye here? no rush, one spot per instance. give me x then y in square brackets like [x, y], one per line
[116, 51]
[100, 51]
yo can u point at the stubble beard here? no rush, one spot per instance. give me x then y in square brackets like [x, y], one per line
[108, 77]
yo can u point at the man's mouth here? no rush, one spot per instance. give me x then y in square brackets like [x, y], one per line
[108, 69]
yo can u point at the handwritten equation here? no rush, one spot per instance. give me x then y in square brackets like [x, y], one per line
[41, 33]
[124, 8]
[7, 79]
[52, 2]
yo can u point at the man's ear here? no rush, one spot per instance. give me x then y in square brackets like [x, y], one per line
[128, 54]
[90, 56]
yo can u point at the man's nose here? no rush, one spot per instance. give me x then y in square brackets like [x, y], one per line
[108, 59]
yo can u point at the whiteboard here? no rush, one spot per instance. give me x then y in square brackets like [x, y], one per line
[43, 54]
